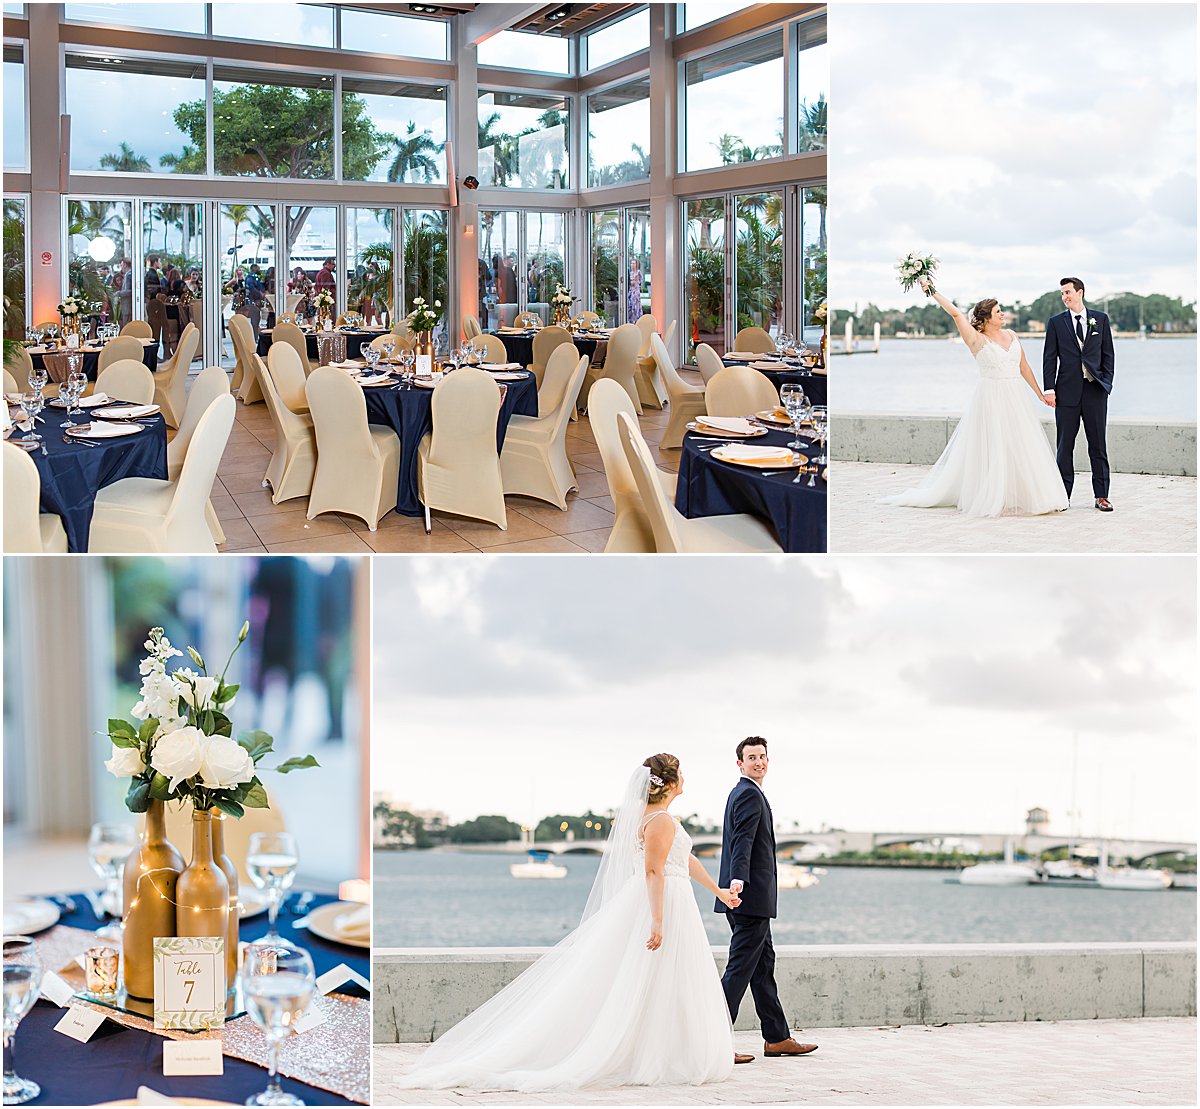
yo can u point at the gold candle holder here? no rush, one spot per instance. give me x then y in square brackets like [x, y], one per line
[101, 970]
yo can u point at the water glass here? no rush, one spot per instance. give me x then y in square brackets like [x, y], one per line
[820, 419]
[278, 987]
[38, 379]
[408, 360]
[389, 347]
[791, 394]
[22, 981]
[109, 845]
[33, 402]
[271, 859]
[371, 357]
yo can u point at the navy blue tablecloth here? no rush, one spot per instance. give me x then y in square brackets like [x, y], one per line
[709, 487]
[118, 1060]
[816, 386]
[91, 359]
[409, 413]
[355, 341]
[73, 473]
[520, 347]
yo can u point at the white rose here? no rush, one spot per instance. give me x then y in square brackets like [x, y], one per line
[225, 764]
[126, 762]
[178, 754]
[194, 689]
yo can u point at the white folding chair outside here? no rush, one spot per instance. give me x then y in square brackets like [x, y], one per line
[673, 532]
[754, 339]
[620, 365]
[458, 469]
[136, 515]
[27, 530]
[127, 380]
[294, 461]
[210, 383]
[739, 391]
[170, 382]
[121, 348]
[358, 464]
[139, 329]
[687, 401]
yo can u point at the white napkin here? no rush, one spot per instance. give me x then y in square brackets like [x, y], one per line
[766, 366]
[98, 429]
[94, 399]
[147, 1096]
[371, 382]
[742, 356]
[355, 924]
[745, 452]
[501, 375]
[130, 411]
[735, 425]
[494, 367]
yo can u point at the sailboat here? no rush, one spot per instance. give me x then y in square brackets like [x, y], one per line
[538, 866]
[1127, 878]
[1007, 873]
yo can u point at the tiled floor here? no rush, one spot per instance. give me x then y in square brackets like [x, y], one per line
[1081, 1062]
[1151, 514]
[252, 523]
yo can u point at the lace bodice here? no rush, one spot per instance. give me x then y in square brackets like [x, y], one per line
[994, 361]
[677, 856]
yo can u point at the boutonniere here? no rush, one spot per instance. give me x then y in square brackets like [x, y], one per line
[1092, 322]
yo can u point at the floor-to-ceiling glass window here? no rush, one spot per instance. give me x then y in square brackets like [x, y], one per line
[605, 240]
[370, 284]
[15, 294]
[812, 84]
[814, 254]
[637, 255]
[499, 256]
[758, 279]
[310, 242]
[619, 260]
[522, 261]
[523, 140]
[173, 234]
[393, 131]
[618, 135]
[245, 238]
[545, 259]
[426, 263]
[704, 273]
[100, 263]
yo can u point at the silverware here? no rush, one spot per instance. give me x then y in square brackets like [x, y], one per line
[79, 439]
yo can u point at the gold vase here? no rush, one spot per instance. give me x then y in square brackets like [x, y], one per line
[562, 315]
[323, 317]
[150, 878]
[225, 863]
[202, 893]
[68, 325]
[423, 343]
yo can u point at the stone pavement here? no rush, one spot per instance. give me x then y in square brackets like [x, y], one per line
[1153, 514]
[1080, 1062]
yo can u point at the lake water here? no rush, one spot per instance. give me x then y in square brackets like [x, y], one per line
[445, 899]
[1155, 379]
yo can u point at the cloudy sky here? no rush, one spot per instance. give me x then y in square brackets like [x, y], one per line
[1016, 142]
[909, 694]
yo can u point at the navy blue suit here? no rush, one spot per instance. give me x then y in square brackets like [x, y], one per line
[748, 853]
[1075, 398]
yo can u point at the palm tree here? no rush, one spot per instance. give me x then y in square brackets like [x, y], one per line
[239, 214]
[813, 125]
[125, 161]
[413, 161]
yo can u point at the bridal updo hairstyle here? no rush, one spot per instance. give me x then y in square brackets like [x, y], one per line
[981, 312]
[666, 769]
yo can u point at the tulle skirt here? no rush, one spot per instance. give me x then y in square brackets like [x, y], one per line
[997, 462]
[599, 1009]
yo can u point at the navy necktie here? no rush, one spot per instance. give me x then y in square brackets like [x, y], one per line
[1078, 330]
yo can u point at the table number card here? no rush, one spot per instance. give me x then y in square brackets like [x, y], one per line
[189, 982]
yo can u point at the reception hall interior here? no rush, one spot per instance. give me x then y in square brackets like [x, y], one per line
[415, 277]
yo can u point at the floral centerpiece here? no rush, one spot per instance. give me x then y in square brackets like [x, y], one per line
[182, 749]
[324, 302]
[561, 303]
[821, 316]
[914, 267]
[423, 319]
[69, 313]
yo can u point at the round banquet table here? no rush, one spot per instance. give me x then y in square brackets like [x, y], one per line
[520, 346]
[816, 386]
[91, 357]
[355, 340]
[408, 411]
[73, 472]
[71, 1073]
[710, 487]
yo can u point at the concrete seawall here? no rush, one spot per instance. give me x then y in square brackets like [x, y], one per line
[420, 993]
[1134, 446]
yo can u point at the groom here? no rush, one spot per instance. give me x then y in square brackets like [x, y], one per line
[748, 870]
[1077, 377]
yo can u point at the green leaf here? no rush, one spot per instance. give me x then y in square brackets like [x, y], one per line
[147, 730]
[138, 797]
[123, 741]
[297, 764]
[221, 724]
[121, 728]
[256, 796]
[206, 722]
[226, 693]
[229, 807]
[160, 787]
[257, 743]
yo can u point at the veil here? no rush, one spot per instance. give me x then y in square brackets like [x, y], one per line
[620, 860]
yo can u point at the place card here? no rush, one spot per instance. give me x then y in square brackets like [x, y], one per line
[309, 1019]
[79, 1023]
[192, 1057]
[189, 982]
[339, 976]
[56, 990]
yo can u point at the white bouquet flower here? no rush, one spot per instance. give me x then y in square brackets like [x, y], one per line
[422, 317]
[913, 267]
[563, 297]
[323, 299]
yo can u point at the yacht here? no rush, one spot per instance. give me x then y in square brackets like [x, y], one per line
[794, 877]
[1128, 878]
[1007, 873]
[538, 866]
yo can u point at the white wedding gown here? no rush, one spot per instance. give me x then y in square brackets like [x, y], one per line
[998, 462]
[600, 1009]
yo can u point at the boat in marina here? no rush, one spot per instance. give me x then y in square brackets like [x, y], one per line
[538, 866]
[1008, 873]
[791, 876]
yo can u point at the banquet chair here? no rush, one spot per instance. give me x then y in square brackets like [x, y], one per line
[399, 344]
[139, 329]
[401, 329]
[534, 459]
[19, 362]
[651, 390]
[237, 832]
[673, 532]
[631, 532]
[210, 383]
[245, 382]
[528, 319]
[544, 343]
[708, 362]
[458, 469]
[754, 339]
[292, 335]
[127, 380]
[26, 529]
[124, 346]
[471, 327]
[358, 464]
[739, 391]
[496, 352]
[138, 514]
[286, 317]
[620, 365]
[287, 373]
[10, 384]
[687, 401]
[170, 383]
[294, 461]
[585, 318]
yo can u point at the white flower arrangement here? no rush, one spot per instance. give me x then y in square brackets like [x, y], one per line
[324, 299]
[563, 297]
[913, 267]
[183, 747]
[422, 317]
[70, 307]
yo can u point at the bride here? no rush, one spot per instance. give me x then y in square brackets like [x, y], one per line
[631, 997]
[998, 461]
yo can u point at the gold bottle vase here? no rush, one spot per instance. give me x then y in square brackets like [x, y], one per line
[69, 325]
[225, 863]
[323, 317]
[562, 315]
[423, 343]
[202, 893]
[151, 876]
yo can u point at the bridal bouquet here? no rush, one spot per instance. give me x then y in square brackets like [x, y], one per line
[182, 746]
[913, 267]
[423, 318]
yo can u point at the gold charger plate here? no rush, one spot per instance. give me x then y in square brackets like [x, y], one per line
[80, 431]
[706, 429]
[792, 462]
[321, 923]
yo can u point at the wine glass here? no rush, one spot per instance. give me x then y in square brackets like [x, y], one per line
[791, 394]
[22, 981]
[408, 360]
[109, 845]
[271, 859]
[38, 379]
[820, 420]
[277, 986]
[76, 384]
[371, 357]
[389, 347]
[33, 402]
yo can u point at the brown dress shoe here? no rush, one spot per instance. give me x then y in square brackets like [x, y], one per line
[1104, 504]
[738, 1058]
[787, 1047]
